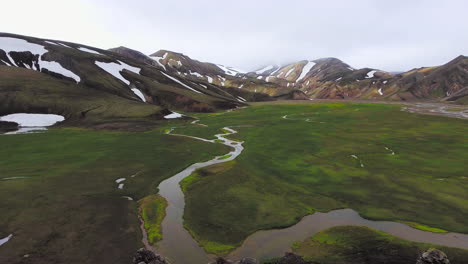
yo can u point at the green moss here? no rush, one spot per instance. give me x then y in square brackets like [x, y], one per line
[216, 248]
[227, 156]
[187, 181]
[296, 245]
[425, 227]
[153, 211]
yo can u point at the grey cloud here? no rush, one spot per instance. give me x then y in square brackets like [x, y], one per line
[389, 35]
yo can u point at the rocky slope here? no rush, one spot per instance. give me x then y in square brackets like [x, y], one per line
[329, 78]
[332, 78]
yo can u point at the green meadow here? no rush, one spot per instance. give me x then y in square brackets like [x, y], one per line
[302, 158]
[64, 203]
[68, 208]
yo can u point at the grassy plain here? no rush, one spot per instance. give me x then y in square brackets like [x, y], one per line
[68, 208]
[301, 158]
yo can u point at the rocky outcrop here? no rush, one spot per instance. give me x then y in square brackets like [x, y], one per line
[433, 256]
[143, 256]
[293, 95]
[6, 126]
[290, 258]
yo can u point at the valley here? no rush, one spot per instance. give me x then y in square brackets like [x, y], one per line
[103, 152]
[340, 155]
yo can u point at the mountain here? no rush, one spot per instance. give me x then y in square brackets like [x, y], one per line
[448, 82]
[87, 84]
[330, 78]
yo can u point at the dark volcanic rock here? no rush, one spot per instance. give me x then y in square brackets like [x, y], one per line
[293, 95]
[8, 126]
[433, 256]
[143, 256]
[290, 258]
[247, 261]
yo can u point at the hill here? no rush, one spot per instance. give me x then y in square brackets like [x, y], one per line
[88, 84]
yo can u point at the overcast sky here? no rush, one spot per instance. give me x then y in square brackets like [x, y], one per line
[392, 35]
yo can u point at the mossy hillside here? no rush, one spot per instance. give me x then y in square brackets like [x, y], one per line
[293, 167]
[362, 245]
[30, 91]
[67, 208]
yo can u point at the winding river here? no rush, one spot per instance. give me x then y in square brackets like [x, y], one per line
[178, 246]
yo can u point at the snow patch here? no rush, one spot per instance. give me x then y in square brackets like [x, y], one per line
[196, 74]
[173, 115]
[210, 80]
[89, 50]
[380, 91]
[371, 74]
[240, 87]
[8, 64]
[158, 59]
[119, 180]
[6, 239]
[52, 43]
[241, 99]
[392, 152]
[179, 82]
[54, 66]
[115, 68]
[26, 130]
[228, 70]
[120, 187]
[306, 69]
[138, 93]
[338, 79]
[289, 72]
[259, 77]
[8, 45]
[33, 120]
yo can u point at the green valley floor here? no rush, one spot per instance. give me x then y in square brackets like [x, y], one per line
[385, 163]
[70, 195]
[66, 206]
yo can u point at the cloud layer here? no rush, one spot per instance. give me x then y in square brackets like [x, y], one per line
[390, 35]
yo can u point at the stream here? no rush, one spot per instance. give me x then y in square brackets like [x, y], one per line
[179, 247]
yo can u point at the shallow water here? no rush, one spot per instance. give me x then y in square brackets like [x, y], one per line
[273, 243]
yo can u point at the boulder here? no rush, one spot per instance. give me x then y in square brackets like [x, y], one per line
[289, 258]
[433, 256]
[6, 126]
[143, 256]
